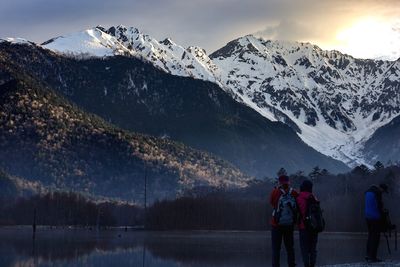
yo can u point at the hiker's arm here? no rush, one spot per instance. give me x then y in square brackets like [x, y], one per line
[272, 198]
[302, 205]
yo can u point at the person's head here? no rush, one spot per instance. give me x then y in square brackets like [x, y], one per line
[306, 186]
[284, 181]
[384, 188]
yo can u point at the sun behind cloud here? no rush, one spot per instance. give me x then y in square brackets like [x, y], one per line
[370, 38]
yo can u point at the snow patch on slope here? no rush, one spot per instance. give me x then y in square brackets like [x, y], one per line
[15, 40]
[92, 42]
[120, 40]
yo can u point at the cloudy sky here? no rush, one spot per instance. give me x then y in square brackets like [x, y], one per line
[363, 28]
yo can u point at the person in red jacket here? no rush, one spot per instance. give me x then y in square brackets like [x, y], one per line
[282, 229]
[308, 238]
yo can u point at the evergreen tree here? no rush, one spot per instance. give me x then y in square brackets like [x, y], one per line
[365, 169]
[315, 173]
[361, 170]
[379, 166]
[281, 172]
[324, 172]
[299, 173]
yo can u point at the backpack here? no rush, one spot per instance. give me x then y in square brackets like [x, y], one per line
[314, 219]
[285, 213]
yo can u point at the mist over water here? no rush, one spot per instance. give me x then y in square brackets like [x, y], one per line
[70, 247]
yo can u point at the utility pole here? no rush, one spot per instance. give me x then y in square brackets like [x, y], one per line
[126, 222]
[98, 220]
[126, 219]
[34, 224]
[144, 255]
[145, 195]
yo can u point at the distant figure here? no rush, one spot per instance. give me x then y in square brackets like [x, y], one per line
[310, 223]
[283, 201]
[374, 216]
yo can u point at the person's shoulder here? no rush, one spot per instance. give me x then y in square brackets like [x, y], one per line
[276, 190]
[275, 195]
[370, 194]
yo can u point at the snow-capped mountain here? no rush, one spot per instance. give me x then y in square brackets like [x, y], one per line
[333, 101]
[92, 42]
[120, 40]
[136, 96]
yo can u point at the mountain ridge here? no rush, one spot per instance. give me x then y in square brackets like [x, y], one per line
[138, 97]
[300, 79]
[327, 97]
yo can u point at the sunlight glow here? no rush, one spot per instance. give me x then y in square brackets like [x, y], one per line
[370, 38]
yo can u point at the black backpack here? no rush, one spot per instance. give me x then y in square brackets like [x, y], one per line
[314, 219]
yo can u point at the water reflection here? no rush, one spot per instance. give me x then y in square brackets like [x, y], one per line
[159, 249]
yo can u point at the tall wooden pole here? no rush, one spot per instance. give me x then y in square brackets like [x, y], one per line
[126, 222]
[98, 220]
[144, 255]
[145, 195]
[34, 224]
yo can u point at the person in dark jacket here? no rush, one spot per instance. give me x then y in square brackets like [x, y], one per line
[308, 238]
[282, 232]
[374, 216]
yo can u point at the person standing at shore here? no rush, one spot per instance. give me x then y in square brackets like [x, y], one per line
[308, 235]
[374, 217]
[284, 217]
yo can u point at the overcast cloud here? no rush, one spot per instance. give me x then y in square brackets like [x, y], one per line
[207, 23]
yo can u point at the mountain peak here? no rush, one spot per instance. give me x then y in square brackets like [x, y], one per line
[90, 42]
[324, 92]
[298, 83]
[260, 46]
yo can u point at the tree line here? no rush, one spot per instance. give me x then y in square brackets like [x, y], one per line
[68, 208]
[341, 196]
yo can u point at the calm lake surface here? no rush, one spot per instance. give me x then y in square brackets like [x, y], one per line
[70, 247]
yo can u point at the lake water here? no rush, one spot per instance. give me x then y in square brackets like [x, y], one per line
[115, 247]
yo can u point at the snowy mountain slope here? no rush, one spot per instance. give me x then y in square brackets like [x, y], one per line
[165, 54]
[333, 101]
[92, 42]
[120, 40]
[336, 101]
[15, 40]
